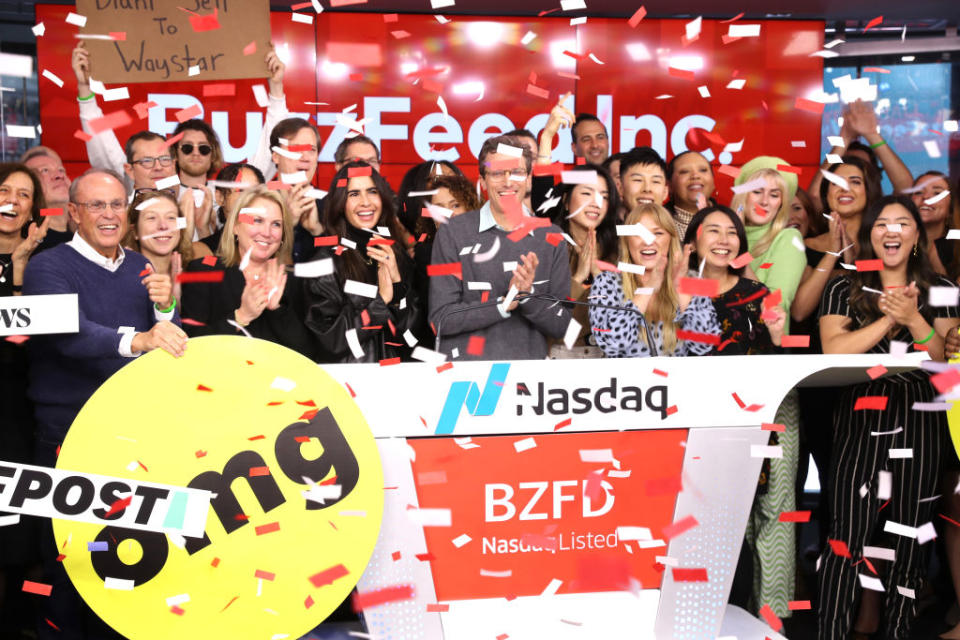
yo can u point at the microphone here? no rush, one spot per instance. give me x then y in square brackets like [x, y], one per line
[525, 295]
[654, 352]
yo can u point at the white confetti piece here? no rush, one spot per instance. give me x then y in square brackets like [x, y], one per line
[430, 517]
[901, 453]
[880, 553]
[886, 433]
[508, 300]
[884, 485]
[575, 21]
[118, 584]
[52, 77]
[466, 443]
[173, 601]
[740, 30]
[572, 5]
[280, 151]
[461, 540]
[798, 144]
[39, 30]
[926, 533]
[596, 455]
[950, 125]
[119, 93]
[737, 83]
[667, 561]
[636, 230]
[76, 19]
[932, 148]
[525, 444]
[833, 158]
[932, 406]
[478, 286]
[194, 70]
[578, 177]
[314, 269]
[302, 18]
[836, 141]
[693, 27]
[906, 593]
[633, 533]
[935, 199]
[835, 179]
[869, 582]
[260, 95]
[704, 91]
[360, 288]
[899, 529]
[9, 519]
[283, 384]
[552, 588]
[756, 183]
[21, 131]
[766, 451]
[354, 343]
[293, 178]
[166, 183]
[353, 513]
[427, 355]
[629, 267]
[510, 150]
[486, 573]
[650, 544]
[409, 338]
[321, 493]
[572, 333]
[528, 38]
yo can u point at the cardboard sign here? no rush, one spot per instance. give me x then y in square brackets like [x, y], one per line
[33, 315]
[295, 478]
[175, 40]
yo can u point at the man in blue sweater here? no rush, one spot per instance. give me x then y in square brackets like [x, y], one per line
[125, 309]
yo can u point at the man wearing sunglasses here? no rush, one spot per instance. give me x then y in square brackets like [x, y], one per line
[197, 153]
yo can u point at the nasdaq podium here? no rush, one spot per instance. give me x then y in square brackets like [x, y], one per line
[577, 498]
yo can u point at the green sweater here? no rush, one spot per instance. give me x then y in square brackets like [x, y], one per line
[787, 257]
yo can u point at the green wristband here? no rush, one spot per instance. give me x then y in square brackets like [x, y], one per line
[173, 305]
[878, 144]
[928, 338]
[85, 98]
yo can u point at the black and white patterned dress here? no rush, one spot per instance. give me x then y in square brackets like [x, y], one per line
[617, 332]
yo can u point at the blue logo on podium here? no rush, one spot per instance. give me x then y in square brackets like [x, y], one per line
[477, 402]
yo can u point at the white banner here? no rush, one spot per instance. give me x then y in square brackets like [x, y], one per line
[33, 315]
[87, 497]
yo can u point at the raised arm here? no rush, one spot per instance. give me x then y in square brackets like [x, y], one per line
[863, 119]
[103, 149]
[276, 111]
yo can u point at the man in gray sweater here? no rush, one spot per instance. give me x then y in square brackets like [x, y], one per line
[499, 250]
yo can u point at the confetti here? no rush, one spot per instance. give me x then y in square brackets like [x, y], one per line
[37, 587]
[680, 526]
[328, 576]
[870, 402]
[370, 599]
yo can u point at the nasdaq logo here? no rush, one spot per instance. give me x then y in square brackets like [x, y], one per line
[479, 402]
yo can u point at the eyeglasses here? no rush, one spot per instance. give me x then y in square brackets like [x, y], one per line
[515, 174]
[99, 206]
[188, 147]
[149, 162]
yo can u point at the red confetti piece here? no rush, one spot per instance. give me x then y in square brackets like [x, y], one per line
[145, 272]
[61, 558]
[390, 17]
[727, 170]
[876, 372]
[119, 36]
[350, 389]
[741, 260]
[200, 276]
[232, 600]
[945, 380]
[869, 265]
[873, 23]
[400, 34]
[200, 453]
[771, 618]
[475, 345]
[37, 587]
[437, 608]
[680, 526]
[950, 520]
[871, 402]
[808, 105]
[386, 362]
[177, 610]
[689, 575]
[554, 238]
[82, 135]
[695, 336]
[270, 527]
[658, 372]
[17, 339]
[326, 241]
[143, 108]
[798, 605]
[681, 73]
[359, 172]
[637, 16]
[773, 426]
[795, 342]
[190, 112]
[795, 516]
[308, 602]
[250, 49]
[220, 89]
[53, 211]
[118, 506]
[309, 415]
[174, 140]
[672, 409]
[215, 563]
[47, 620]
[371, 599]
[562, 424]
[788, 169]
[111, 121]
[840, 548]
[264, 575]
[446, 269]
[425, 557]
[385, 242]
[259, 471]
[396, 555]
[705, 287]
[443, 367]
[537, 92]
[300, 5]
[204, 23]
[201, 387]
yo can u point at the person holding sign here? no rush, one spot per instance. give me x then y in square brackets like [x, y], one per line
[648, 282]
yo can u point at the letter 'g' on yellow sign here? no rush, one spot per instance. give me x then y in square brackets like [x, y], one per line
[297, 481]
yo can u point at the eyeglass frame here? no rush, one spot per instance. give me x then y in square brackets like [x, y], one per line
[99, 206]
[149, 162]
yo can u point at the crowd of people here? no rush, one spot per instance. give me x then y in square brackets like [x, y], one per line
[162, 243]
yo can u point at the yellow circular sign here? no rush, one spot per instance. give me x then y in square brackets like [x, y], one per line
[296, 493]
[953, 419]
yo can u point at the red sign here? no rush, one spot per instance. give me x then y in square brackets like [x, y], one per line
[535, 515]
[649, 84]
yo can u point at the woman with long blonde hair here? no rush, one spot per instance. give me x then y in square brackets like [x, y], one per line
[652, 263]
